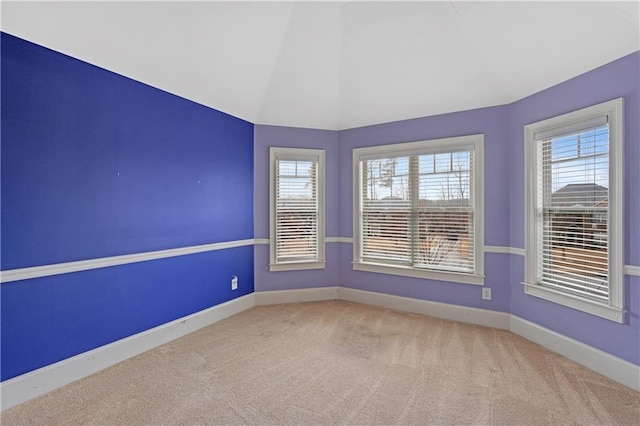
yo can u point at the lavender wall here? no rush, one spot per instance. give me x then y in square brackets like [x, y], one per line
[503, 129]
[488, 121]
[620, 78]
[268, 136]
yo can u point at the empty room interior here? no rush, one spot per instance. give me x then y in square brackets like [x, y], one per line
[320, 212]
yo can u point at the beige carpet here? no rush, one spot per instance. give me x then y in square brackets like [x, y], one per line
[338, 363]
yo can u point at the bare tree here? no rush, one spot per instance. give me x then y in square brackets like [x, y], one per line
[387, 174]
[458, 189]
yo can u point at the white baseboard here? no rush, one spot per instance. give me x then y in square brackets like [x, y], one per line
[435, 309]
[276, 297]
[604, 363]
[38, 382]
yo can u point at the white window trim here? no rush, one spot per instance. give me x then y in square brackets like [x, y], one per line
[614, 309]
[425, 147]
[311, 154]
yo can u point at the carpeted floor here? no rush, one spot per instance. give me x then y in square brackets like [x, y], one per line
[337, 363]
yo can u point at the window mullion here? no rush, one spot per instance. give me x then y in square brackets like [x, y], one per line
[414, 191]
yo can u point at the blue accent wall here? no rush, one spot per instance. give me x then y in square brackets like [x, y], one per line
[95, 165]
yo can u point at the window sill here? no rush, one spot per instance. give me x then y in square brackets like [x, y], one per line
[594, 308]
[296, 266]
[420, 273]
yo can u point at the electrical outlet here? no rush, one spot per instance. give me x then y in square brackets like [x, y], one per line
[486, 293]
[234, 283]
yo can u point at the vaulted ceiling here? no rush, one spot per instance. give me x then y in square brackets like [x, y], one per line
[336, 65]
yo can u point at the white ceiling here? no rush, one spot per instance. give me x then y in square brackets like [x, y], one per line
[336, 65]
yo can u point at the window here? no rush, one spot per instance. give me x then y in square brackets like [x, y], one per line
[418, 209]
[297, 209]
[574, 209]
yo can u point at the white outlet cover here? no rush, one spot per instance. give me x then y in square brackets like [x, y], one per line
[486, 293]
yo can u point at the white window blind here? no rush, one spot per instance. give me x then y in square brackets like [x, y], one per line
[417, 211]
[573, 193]
[446, 211]
[297, 208]
[386, 211]
[574, 190]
